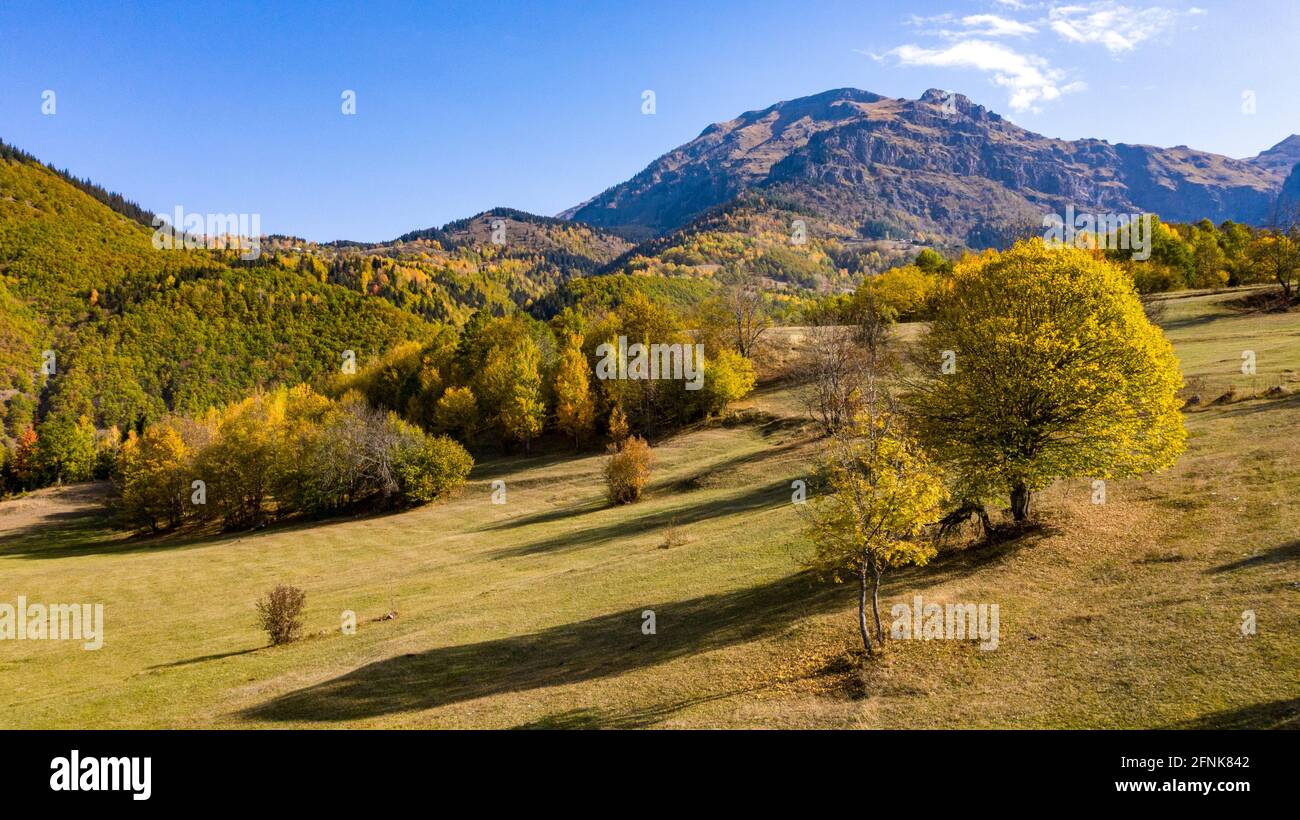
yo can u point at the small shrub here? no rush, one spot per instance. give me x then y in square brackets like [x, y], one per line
[673, 536]
[627, 470]
[277, 613]
[429, 467]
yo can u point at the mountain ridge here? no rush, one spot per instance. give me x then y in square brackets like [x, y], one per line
[940, 164]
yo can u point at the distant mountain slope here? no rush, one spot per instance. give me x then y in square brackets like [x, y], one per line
[530, 233]
[757, 231]
[726, 159]
[1281, 157]
[1288, 202]
[138, 331]
[936, 164]
[115, 201]
[496, 261]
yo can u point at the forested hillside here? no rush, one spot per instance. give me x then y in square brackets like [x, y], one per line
[136, 331]
[109, 341]
[499, 260]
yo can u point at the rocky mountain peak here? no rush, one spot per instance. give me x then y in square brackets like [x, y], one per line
[1281, 157]
[939, 164]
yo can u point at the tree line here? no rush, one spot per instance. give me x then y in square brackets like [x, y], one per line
[286, 452]
[1182, 256]
[515, 378]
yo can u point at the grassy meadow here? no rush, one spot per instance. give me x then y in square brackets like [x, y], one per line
[529, 613]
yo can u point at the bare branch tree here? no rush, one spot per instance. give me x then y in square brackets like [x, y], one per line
[837, 369]
[742, 294]
[846, 366]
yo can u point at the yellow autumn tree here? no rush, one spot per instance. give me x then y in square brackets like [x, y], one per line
[517, 369]
[296, 474]
[575, 410]
[728, 377]
[1041, 364]
[153, 477]
[241, 465]
[901, 293]
[882, 494]
[627, 470]
[457, 412]
[1276, 255]
[618, 427]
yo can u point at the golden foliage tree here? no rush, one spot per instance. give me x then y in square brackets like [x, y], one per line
[516, 372]
[241, 465]
[728, 377]
[457, 412]
[575, 408]
[1041, 364]
[153, 476]
[25, 465]
[618, 428]
[1276, 255]
[883, 492]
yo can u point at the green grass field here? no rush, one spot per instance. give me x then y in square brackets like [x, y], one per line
[529, 613]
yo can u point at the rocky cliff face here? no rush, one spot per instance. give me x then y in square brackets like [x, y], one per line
[1281, 157]
[1288, 202]
[939, 164]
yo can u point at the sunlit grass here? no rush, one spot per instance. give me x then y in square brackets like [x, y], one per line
[530, 613]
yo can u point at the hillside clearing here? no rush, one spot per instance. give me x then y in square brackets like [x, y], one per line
[529, 613]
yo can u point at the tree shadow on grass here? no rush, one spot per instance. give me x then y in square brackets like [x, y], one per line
[591, 718]
[697, 481]
[1277, 555]
[1261, 404]
[953, 563]
[92, 531]
[507, 466]
[69, 527]
[752, 500]
[1277, 714]
[1193, 321]
[731, 468]
[205, 658]
[600, 647]
[606, 646]
[592, 505]
[90, 535]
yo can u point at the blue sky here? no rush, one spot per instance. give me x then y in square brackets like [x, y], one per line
[460, 107]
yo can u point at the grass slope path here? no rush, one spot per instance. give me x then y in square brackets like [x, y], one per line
[529, 614]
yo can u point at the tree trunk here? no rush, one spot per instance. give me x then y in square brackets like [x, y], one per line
[862, 607]
[1020, 502]
[875, 602]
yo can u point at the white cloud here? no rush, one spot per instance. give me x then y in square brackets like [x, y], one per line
[973, 41]
[1115, 27]
[972, 25]
[1030, 79]
[991, 25]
